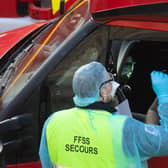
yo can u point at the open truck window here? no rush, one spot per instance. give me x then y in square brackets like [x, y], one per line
[140, 52]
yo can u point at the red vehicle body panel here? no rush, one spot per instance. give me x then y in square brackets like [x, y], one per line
[15, 36]
[26, 165]
[157, 162]
[151, 25]
[11, 6]
[39, 13]
[96, 6]
[46, 13]
[129, 13]
[8, 8]
[154, 22]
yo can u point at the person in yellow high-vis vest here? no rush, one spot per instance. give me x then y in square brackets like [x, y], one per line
[91, 135]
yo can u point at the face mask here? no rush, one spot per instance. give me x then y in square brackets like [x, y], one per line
[115, 85]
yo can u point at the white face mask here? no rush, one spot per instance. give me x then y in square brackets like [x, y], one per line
[115, 85]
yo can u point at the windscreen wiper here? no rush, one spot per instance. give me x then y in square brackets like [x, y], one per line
[35, 37]
[6, 77]
[10, 68]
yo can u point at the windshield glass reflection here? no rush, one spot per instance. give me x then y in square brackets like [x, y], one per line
[42, 49]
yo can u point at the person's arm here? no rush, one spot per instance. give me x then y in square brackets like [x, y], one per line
[144, 140]
[152, 116]
[43, 151]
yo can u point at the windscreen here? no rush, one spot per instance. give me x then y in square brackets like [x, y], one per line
[39, 51]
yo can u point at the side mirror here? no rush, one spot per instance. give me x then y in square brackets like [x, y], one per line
[15, 123]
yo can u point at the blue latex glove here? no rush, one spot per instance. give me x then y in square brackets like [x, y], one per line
[160, 86]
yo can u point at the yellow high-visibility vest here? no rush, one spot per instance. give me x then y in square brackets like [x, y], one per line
[82, 138]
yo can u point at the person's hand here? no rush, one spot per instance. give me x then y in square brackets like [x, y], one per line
[160, 86]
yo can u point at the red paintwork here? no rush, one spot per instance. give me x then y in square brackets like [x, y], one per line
[7, 6]
[158, 162]
[69, 4]
[15, 36]
[46, 13]
[146, 22]
[40, 13]
[152, 163]
[152, 25]
[96, 6]
[26, 165]
[28, 0]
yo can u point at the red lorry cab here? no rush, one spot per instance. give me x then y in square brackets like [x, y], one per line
[130, 37]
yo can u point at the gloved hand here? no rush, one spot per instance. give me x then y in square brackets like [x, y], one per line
[160, 86]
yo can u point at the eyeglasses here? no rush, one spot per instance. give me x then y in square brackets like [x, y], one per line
[107, 81]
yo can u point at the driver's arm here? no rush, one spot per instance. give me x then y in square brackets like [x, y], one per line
[145, 140]
[152, 116]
